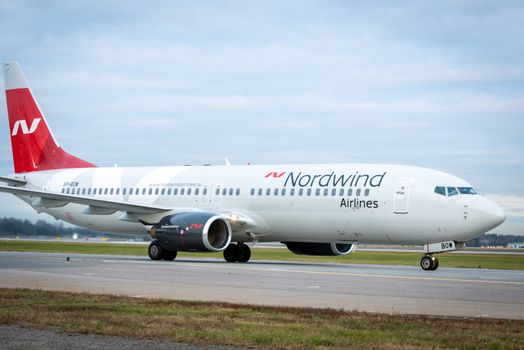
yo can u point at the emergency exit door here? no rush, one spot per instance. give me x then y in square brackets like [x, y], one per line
[402, 190]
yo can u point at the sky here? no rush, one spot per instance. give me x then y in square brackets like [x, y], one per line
[437, 84]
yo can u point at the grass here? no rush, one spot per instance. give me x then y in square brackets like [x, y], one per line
[469, 260]
[250, 326]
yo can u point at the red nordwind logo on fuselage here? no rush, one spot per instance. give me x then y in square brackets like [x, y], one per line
[275, 174]
[22, 124]
[196, 226]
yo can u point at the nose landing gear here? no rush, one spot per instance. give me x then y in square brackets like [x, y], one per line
[429, 263]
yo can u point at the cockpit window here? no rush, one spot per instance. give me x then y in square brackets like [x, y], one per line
[452, 191]
[466, 190]
[440, 190]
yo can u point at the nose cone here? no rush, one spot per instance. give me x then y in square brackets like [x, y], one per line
[490, 215]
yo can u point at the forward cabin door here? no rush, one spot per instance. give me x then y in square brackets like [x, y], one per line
[402, 195]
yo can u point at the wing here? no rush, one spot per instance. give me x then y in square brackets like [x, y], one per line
[94, 206]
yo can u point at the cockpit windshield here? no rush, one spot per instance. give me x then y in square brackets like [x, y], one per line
[453, 191]
[466, 190]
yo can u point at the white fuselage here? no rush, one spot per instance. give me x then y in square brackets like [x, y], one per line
[303, 203]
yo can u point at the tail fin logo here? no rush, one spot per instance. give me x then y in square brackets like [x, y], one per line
[22, 124]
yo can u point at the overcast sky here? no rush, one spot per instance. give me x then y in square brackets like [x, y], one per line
[435, 84]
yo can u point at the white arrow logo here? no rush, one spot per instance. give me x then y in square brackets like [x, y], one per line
[22, 124]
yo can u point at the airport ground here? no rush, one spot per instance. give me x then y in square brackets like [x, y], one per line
[299, 304]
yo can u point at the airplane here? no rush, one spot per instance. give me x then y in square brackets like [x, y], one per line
[313, 209]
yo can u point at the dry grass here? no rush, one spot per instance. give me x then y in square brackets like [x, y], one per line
[251, 326]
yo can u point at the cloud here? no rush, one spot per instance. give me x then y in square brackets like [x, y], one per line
[513, 205]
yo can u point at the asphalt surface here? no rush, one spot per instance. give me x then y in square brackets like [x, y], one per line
[372, 288]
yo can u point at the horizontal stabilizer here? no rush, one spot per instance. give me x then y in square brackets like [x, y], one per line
[12, 181]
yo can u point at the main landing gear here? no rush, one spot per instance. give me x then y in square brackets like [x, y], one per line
[156, 252]
[233, 253]
[237, 253]
[429, 263]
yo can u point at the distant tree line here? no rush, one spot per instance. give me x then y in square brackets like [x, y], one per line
[11, 227]
[494, 240]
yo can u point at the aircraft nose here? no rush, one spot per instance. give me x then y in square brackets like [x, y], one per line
[492, 215]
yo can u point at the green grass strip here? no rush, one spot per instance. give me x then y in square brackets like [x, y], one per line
[469, 260]
[251, 326]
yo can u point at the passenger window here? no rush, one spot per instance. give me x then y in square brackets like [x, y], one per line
[123, 191]
[83, 191]
[231, 190]
[117, 191]
[188, 191]
[334, 192]
[259, 191]
[292, 192]
[197, 191]
[341, 192]
[301, 192]
[366, 192]
[111, 191]
[205, 191]
[358, 192]
[238, 192]
[466, 190]
[317, 192]
[224, 191]
[105, 191]
[309, 191]
[325, 192]
[452, 191]
[168, 191]
[252, 192]
[175, 191]
[440, 190]
[268, 192]
[283, 193]
[350, 192]
[182, 191]
[163, 192]
[89, 191]
[217, 191]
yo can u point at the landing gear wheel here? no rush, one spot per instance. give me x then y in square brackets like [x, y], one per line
[231, 253]
[435, 266]
[169, 255]
[244, 253]
[154, 251]
[429, 263]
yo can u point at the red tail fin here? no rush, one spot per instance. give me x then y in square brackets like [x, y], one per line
[33, 144]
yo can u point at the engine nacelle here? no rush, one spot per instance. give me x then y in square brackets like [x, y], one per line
[321, 249]
[195, 232]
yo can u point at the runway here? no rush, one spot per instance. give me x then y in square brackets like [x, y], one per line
[372, 288]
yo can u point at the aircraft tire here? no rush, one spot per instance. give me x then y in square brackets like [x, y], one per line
[154, 251]
[169, 255]
[244, 253]
[427, 263]
[435, 264]
[231, 253]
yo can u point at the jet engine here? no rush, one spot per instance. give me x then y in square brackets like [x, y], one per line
[324, 249]
[194, 232]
